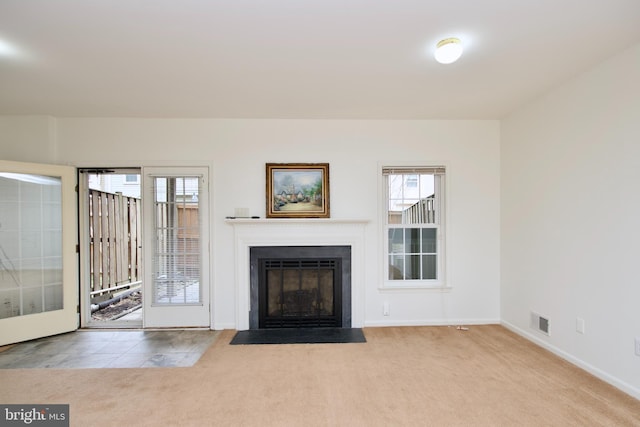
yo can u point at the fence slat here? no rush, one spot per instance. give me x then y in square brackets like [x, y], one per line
[97, 237]
[112, 238]
[133, 243]
[138, 240]
[104, 221]
[118, 236]
[124, 241]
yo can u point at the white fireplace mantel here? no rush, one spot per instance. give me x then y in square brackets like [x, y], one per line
[297, 232]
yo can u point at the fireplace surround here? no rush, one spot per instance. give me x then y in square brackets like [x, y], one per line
[250, 233]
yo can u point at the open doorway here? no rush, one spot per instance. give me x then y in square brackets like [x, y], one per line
[111, 247]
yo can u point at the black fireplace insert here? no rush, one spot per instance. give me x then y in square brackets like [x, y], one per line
[300, 287]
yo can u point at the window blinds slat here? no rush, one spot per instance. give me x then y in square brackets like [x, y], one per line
[433, 170]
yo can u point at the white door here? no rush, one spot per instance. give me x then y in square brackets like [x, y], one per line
[38, 261]
[176, 247]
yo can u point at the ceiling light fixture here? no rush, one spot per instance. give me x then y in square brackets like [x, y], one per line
[6, 49]
[448, 50]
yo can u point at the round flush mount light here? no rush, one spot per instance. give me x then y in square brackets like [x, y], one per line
[6, 49]
[448, 50]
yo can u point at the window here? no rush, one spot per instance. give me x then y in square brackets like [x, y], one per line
[412, 181]
[177, 252]
[131, 179]
[414, 225]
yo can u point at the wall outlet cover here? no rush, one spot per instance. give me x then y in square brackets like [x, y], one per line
[385, 308]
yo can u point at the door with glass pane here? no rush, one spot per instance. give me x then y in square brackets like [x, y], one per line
[176, 221]
[38, 262]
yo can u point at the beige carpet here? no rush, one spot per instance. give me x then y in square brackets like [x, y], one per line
[409, 376]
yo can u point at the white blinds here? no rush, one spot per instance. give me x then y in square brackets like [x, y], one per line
[431, 170]
[177, 257]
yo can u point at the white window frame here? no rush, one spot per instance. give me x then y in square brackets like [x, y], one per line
[441, 191]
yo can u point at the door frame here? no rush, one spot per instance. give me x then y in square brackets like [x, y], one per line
[84, 240]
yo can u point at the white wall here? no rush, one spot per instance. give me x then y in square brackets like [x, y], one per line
[237, 151]
[27, 138]
[571, 219]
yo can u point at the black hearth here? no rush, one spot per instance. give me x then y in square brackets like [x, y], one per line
[300, 287]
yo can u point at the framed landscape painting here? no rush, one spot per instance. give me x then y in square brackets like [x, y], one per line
[297, 190]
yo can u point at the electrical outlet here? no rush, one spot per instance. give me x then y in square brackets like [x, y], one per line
[637, 346]
[385, 308]
[580, 325]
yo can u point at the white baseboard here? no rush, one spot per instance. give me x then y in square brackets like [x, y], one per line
[430, 322]
[222, 326]
[627, 388]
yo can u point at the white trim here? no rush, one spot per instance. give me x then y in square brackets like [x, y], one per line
[625, 387]
[409, 288]
[431, 322]
[222, 326]
[291, 221]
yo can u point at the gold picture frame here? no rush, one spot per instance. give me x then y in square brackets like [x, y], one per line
[297, 190]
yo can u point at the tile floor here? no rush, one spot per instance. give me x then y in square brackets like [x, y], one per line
[110, 349]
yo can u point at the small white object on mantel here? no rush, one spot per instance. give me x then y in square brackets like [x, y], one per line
[241, 212]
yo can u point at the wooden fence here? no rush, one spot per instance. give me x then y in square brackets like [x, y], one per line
[115, 230]
[178, 240]
[422, 212]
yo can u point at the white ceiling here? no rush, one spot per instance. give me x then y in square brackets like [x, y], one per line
[354, 59]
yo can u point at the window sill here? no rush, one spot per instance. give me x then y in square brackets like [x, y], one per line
[416, 287]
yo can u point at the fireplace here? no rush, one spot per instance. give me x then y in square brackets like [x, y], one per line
[252, 234]
[300, 286]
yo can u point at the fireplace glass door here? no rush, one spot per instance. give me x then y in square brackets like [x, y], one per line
[300, 293]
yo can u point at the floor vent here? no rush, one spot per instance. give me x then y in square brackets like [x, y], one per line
[539, 323]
